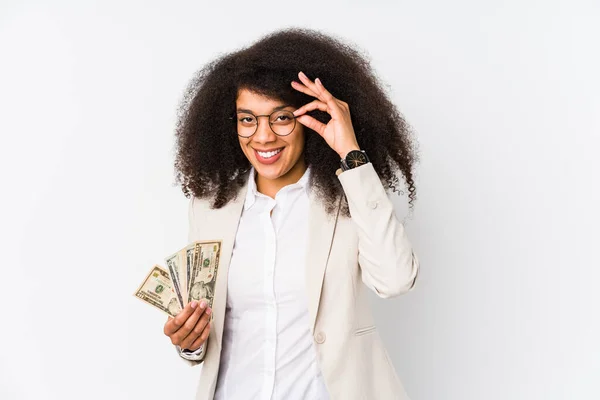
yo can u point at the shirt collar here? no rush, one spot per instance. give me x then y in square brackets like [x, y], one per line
[252, 191]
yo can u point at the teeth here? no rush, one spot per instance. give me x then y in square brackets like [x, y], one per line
[268, 154]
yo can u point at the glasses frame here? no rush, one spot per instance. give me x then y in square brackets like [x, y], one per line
[270, 124]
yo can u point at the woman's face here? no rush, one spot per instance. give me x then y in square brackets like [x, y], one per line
[287, 163]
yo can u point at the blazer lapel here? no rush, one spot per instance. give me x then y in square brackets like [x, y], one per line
[320, 236]
[225, 228]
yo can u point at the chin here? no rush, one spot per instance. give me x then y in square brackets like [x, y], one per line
[269, 172]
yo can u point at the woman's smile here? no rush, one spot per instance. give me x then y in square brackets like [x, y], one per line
[268, 157]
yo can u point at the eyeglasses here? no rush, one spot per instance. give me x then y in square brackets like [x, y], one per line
[282, 123]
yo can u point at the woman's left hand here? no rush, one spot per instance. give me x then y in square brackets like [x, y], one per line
[338, 133]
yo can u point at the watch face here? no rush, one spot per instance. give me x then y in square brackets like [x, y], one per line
[356, 158]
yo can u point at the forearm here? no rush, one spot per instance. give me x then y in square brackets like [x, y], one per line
[388, 263]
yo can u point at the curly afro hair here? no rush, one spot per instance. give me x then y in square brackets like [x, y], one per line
[209, 162]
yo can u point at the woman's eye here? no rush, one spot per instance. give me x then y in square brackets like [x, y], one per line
[246, 120]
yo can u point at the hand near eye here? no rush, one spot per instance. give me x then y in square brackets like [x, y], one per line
[338, 132]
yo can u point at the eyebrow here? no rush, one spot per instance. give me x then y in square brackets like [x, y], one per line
[273, 110]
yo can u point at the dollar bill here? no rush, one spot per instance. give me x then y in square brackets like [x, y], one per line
[158, 291]
[196, 246]
[174, 267]
[190, 275]
[203, 276]
[189, 255]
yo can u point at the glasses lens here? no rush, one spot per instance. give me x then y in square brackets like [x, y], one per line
[246, 124]
[282, 122]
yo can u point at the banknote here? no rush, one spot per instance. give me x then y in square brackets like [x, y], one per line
[174, 269]
[201, 285]
[190, 275]
[189, 255]
[191, 267]
[158, 291]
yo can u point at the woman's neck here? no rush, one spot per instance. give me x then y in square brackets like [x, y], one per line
[270, 187]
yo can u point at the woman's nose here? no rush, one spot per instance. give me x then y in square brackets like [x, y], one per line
[264, 133]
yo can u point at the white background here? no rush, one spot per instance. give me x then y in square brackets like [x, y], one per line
[504, 97]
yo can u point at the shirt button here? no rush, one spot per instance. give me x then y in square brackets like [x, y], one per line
[372, 204]
[320, 337]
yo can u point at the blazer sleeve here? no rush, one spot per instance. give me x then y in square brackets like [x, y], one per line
[388, 264]
[192, 357]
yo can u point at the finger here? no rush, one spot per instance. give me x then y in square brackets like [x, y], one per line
[201, 339]
[302, 88]
[197, 329]
[173, 324]
[317, 88]
[188, 325]
[309, 84]
[324, 95]
[334, 104]
[313, 105]
[312, 123]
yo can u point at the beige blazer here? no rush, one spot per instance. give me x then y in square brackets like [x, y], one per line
[371, 247]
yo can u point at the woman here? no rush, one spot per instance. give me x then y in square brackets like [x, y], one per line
[283, 147]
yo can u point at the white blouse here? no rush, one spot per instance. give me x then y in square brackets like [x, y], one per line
[268, 349]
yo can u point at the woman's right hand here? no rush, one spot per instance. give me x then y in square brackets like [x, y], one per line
[190, 328]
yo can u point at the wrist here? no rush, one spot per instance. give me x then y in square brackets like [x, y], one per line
[347, 150]
[354, 158]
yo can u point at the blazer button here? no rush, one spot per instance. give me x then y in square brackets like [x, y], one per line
[372, 204]
[320, 337]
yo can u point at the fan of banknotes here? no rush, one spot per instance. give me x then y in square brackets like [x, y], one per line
[190, 275]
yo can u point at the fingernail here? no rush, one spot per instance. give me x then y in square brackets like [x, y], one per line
[194, 304]
[208, 311]
[318, 81]
[203, 304]
[302, 73]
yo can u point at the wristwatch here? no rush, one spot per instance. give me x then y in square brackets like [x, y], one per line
[354, 158]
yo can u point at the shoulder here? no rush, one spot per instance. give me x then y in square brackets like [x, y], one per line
[200, 209]
[204, 205]
[198, 206]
